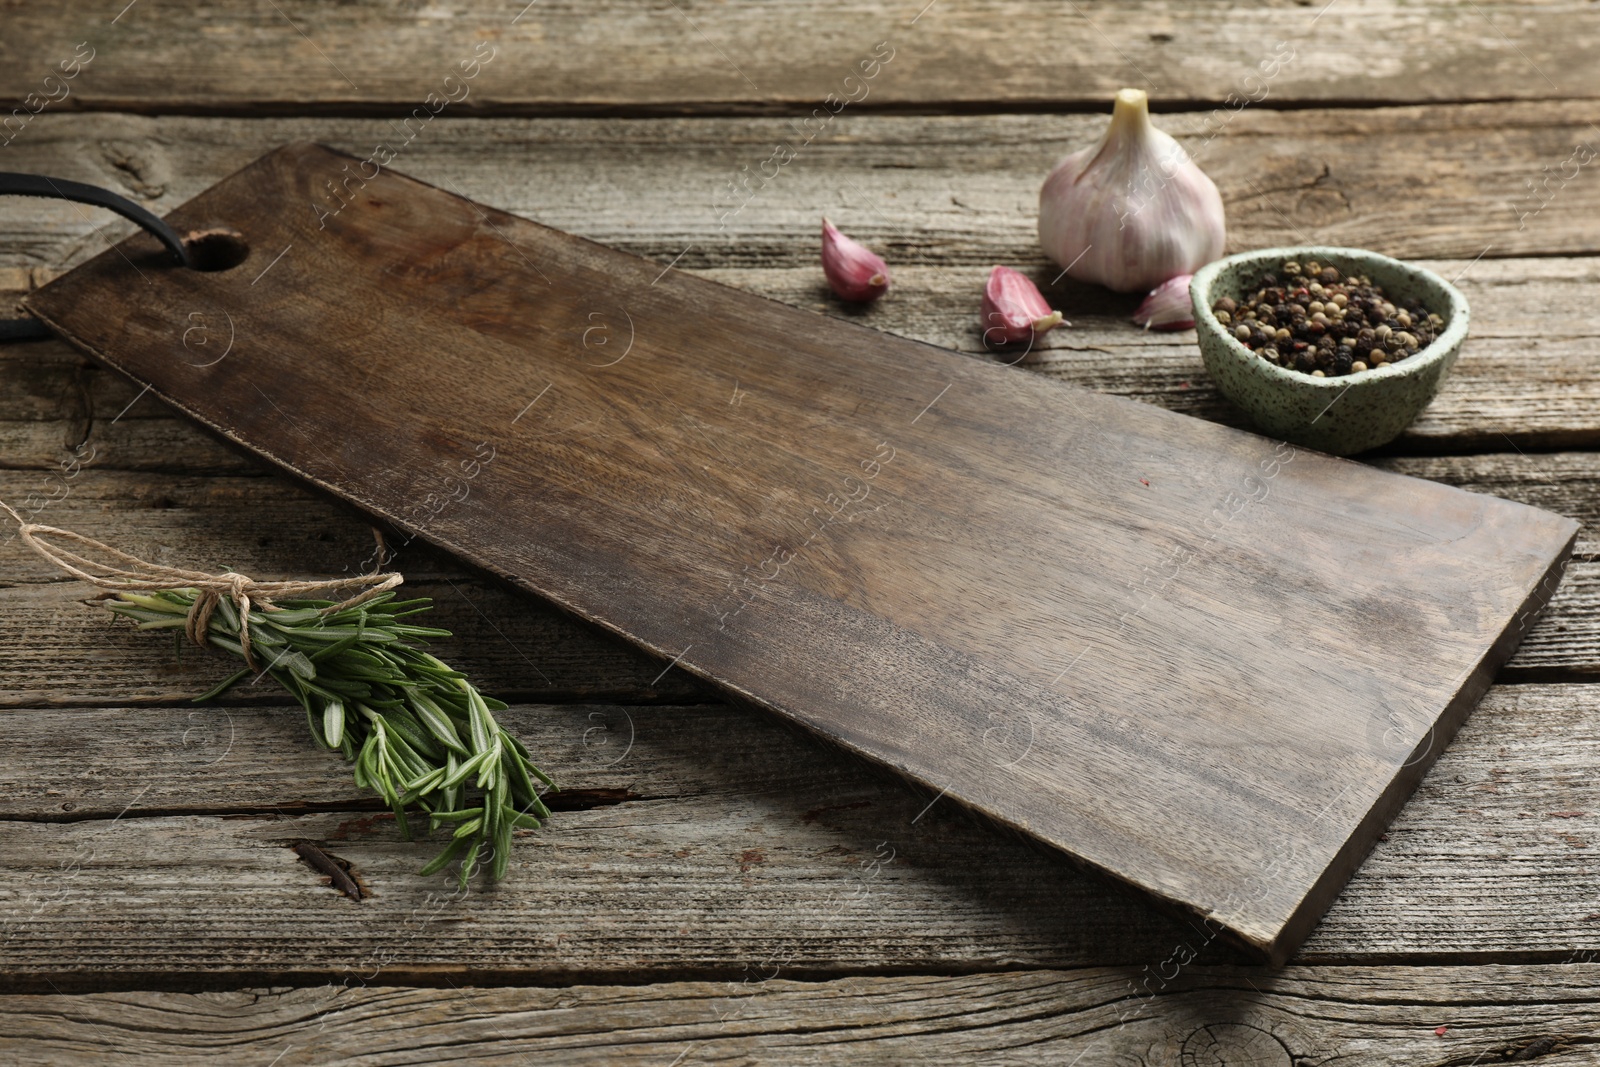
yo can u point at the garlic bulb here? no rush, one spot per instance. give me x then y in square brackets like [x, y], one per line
[1132, 211]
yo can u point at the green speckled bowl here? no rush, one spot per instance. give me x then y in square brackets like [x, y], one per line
[1340, 415]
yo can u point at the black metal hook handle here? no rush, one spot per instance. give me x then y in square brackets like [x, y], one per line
[14, 184]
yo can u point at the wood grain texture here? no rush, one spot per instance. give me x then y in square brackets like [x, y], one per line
[927, 191]
[514, 647]
[1317, 1017]
[704, 841]
[60, 652]
[616, 55]
[1505, 395]
[948, 191]
[655, 190]
[916, 640]
[154, 458]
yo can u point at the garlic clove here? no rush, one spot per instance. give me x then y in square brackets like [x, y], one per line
[1168, 307]
[1014, 309]
[853, 272]
[1133, 210]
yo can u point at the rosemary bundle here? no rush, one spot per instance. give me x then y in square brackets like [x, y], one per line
[419, 733]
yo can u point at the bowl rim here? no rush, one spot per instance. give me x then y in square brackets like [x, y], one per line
[1456, 316]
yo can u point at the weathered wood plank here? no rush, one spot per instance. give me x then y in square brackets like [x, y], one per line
[45, 427]
[941, 190]
[732, 843]
[573, 55]
[1566, 482]
[511, 644]
[1312, 1016]
[929, 193]
[1565, 641]
[58, 651]
[906, 639]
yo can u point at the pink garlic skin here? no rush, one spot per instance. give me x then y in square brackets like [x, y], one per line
[1014, 309]
[1168, 307]
[853, 272]
[1133, 210]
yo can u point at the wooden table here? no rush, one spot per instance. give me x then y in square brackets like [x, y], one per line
[715, 887]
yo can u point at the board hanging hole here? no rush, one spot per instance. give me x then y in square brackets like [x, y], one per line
[216, 249]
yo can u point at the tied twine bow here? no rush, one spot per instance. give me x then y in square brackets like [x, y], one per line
[143, 576]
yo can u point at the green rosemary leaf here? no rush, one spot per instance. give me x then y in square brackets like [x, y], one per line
[414, 730]
[299, 664]
[401, 755]
[445, 858]
[228, 615]
[438, 723]
[477, 717]
[418, 787]
[339, 646]
[400, 819]
[524, 789]
[456, 816]
[154, 618]
[333, 723]
[320, 635]
[461, 773]
[407, 630]
[489, 773]
[316, 728]
[288, 618]
[401, 608]
[404, 723]
[502, 849]
[527, 761]
[150, 602]
[223, 686]
[227, 644]
[469, 861]
[349, 688]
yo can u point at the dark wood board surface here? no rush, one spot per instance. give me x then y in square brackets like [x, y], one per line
[1198, 660]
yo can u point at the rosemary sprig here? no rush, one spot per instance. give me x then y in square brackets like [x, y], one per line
[419, 733]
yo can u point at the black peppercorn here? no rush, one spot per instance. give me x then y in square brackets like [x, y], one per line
[1317, 320]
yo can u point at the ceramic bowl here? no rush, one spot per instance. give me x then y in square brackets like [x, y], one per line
[1341, 415]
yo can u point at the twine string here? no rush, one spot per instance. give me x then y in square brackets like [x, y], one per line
[140, 575]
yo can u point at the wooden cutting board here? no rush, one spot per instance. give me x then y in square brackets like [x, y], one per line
[1196, 659]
